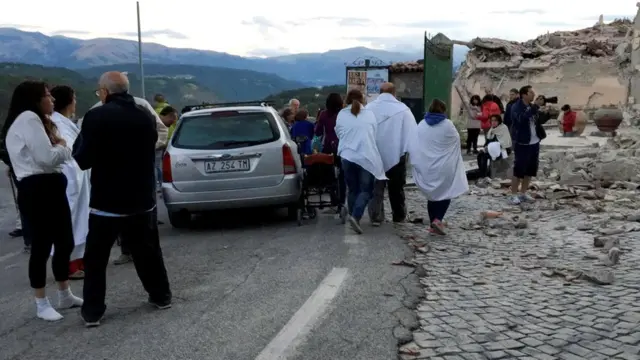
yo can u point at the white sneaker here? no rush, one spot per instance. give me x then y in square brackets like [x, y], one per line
[66, 300]
[355, 225]
[45, 311]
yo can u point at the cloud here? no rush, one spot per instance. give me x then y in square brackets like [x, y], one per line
[557, 24]
[435, 24]
[21, 26]
[71, 32]
[264, 25]
[520, 12]
[280, 51]
[339, 20]
[156, 33]
[407, 44]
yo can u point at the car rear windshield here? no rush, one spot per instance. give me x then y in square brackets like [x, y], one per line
[225, 130]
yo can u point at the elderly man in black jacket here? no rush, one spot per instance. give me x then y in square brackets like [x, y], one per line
[117, 142]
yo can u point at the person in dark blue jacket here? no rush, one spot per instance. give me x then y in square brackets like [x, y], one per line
[527, 132]
[303, 127]
[514, 96]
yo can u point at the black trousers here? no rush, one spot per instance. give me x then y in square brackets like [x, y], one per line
[437, 209]
[42, 201]
[141, 234]
[397, 176]
[342, 183]
[472, 139]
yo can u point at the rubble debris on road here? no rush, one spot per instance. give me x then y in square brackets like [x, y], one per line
[559, 277]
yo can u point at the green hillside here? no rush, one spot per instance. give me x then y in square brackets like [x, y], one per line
[311, 98]
[229, 84]
[180, 92]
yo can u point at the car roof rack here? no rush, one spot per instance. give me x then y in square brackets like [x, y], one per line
[189, 108]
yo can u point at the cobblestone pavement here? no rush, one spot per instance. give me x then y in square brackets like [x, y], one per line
[529, 283]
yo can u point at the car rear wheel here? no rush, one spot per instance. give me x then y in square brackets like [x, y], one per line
[180, 219]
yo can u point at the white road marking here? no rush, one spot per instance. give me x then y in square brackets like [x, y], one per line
[299, 326]
[9, 255]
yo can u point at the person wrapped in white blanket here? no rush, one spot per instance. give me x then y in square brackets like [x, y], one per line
[438, 169]
[396, 126]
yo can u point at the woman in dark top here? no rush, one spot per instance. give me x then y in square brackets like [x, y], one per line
[326, 123]
[326, 128]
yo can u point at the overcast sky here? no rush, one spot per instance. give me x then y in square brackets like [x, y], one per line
[265, 28]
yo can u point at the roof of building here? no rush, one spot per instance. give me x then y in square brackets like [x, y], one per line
[407, 66]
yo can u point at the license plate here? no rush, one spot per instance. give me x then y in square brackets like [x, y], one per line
[227, 166]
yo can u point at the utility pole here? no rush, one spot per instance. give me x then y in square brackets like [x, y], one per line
[140, 51]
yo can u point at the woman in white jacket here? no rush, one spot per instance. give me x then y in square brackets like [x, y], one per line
[37, 152]
[356, 129]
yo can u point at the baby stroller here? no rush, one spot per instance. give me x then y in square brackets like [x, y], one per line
[320, 187]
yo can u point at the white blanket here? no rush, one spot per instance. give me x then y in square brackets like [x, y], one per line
[436, 158]
[357, 140]
[78, 187]
[396, 126]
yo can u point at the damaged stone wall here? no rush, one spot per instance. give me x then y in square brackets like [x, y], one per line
[586, 68]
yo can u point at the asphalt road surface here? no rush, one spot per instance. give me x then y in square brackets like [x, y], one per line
[247, 285]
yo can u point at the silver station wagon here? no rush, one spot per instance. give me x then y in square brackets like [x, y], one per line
[226, 156]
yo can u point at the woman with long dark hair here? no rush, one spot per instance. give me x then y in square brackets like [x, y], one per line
[326, 129]
[356, 128]
[78, 181]
[37, 152]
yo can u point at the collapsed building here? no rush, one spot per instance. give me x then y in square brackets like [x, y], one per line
[587, 69]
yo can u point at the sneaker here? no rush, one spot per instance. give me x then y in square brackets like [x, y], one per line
[376, 223]
[123, 259]
[161, 305]
[437, 227]
[526, 198]
[16, 233]
[45, 311]
[66, 300]
[355, 225]
[78, 275]
[92, 324]
[515, 200]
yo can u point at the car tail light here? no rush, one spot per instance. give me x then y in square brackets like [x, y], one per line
[288, 161]
[166, 168]
[221, 114]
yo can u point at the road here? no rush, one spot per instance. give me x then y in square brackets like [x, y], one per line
[246, 286]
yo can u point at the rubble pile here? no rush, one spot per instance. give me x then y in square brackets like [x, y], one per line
[587, 68]
[609, 43]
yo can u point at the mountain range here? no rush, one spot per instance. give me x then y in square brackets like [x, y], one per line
[311, 69]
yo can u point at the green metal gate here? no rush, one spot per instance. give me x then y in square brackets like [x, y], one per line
[438, 68]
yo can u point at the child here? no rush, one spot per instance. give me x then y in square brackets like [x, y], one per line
[303, 127]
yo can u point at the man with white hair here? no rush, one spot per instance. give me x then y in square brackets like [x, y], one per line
[294, 105]
[161, 143]
[117, 142]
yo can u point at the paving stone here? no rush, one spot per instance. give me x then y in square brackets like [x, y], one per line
[486, 296]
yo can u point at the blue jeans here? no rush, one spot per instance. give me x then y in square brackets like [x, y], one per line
[360, 185]
[437, 209]
[159, 154]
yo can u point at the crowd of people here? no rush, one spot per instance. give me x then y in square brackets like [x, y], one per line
[76, 172]
[374, 143]
[74, 168]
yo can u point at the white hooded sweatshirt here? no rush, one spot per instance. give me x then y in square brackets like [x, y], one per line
[396, 126]
[357, 140]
